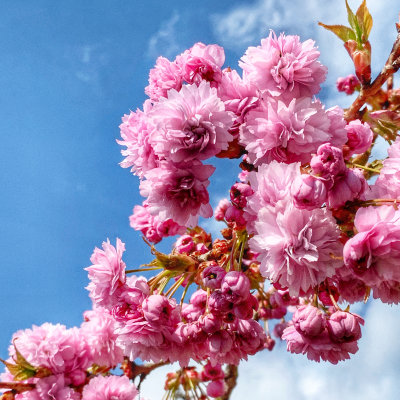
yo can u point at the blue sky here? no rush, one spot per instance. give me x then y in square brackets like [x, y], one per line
[69, 71]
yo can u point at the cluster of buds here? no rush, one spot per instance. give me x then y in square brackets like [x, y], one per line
[210, 382]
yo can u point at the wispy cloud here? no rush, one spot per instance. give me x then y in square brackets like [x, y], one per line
[165, 40]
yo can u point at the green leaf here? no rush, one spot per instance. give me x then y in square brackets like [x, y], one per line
[343, 32]
[353, 21]
[364, 19]
[22, 369]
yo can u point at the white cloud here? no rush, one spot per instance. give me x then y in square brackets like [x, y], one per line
[165, 40]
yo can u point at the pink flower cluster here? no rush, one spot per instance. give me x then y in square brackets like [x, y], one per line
[62, 357]
[188, 119]
[153, 327]
[373, 253]
[329, 337]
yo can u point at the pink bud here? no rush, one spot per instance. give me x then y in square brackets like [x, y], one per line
[309, 320]
[328, 162]
[77, 377]
[352, 185]
[220, 211]
[236, 286]
[218, 303]
[184, 244]
[344, 326]
[216, 388]
[308, 192]
[359, 137]
[239, 193]
[212, 372]
[348, 84]
[199, 299]
[212, 276]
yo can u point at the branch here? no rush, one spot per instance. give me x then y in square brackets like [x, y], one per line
[142, 370]
[392, 65]
[230, 380]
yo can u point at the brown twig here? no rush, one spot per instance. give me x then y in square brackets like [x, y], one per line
[230, 380]
[142, 370]
[392, 65]
[17, 386]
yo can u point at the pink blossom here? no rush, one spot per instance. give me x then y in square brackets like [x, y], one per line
[199, 299]
[309, 320]
[110, 388]
[374, 252]
[219, 304]
[348, 84]
[271, 185]
[219, 213]
[178, 193]
[107, 274]
[236, 286]
[212, 372]
[239, 193]
[212, 276]
[159, 310]
[308, 192]
[352, 185]
[359, 137]
[328, 163]
[136, 129]
[202, 63]
[151, 227]
[99, 328]
[216, 388]
[55, 387]
[351, 288]
[190, 124]
[284, 66]
[235, 216]
[318, 347]
[238, 96]
[245, 309]
[388, 183]
[279, 328]
[296, 247]
[164, 76]
[289, 133]
[344, 326]
[184, 244]
[62, 350]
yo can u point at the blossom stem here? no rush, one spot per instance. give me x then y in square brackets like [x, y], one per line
[172, 290]
[130, 271]
[184, 294]
[367, 168]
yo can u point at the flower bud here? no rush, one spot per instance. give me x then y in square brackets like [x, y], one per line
[184, 244]
[359, 137]
[348, 84]
[308, 192]
[236, 286]
[212, 276]
[309, 320]
[239, 193]
[216, 388]
[328, 162]
[344, 327]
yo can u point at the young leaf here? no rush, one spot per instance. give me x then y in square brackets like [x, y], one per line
[364, 19]
[353, 21]
[343, 32]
